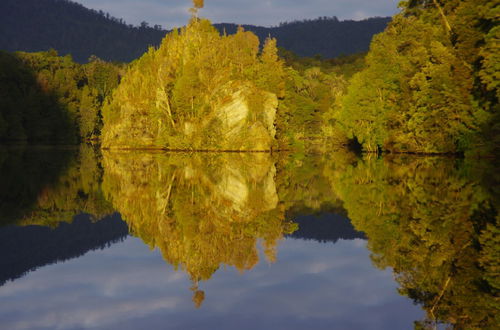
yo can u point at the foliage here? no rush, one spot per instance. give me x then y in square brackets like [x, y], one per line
[48, 98]
[199, 90]
[314, 90]
[101, 79]
[306, 117]
[427, 86]
[29, 103]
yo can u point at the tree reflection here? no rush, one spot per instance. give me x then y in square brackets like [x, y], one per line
[46, 185]
[202, 211]
[433, 220]
[436, 227]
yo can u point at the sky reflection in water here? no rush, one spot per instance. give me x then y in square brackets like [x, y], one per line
[127, 286]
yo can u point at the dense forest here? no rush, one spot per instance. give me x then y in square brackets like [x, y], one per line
[199, 90]
[431, 82]
[49, 98]
[424, 88]
[70, 28]
[204, 91]
[427, 85]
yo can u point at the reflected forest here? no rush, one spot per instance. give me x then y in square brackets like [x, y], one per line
[216, 148]
[433, 221]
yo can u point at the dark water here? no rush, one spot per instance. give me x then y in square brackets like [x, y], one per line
[129, 240]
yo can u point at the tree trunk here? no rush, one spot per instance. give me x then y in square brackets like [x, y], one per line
[443, 16]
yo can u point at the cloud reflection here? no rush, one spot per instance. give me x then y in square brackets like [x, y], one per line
[312, 285]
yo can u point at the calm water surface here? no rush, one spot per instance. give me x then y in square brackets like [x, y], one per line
[128, 240]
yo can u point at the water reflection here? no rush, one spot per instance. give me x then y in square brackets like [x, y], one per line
[24, 174]
[202, 211]
[436, 227]
[432, 221]
[27, 248]
[46, 185]
[325, 227]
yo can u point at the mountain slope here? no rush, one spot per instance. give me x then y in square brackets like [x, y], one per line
[70, 28]
[327, 37]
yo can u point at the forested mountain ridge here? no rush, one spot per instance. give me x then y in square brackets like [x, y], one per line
[325, 36]
[70, 28]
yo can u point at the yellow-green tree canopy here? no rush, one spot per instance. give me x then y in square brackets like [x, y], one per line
[198, 90]
[430, 85]
[198, 4]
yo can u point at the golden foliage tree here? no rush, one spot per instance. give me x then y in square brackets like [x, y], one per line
[198, 4]
[175, 96]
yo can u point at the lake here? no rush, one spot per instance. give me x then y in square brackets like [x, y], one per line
[94, 239]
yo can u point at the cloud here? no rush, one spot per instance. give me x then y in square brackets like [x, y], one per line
[170, 13]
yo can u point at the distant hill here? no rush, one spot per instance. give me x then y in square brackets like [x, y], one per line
[326, 36]
[70, 28]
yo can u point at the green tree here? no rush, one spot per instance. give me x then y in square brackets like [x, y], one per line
[427, 87]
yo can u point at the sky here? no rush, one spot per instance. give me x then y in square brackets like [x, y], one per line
[171, 13]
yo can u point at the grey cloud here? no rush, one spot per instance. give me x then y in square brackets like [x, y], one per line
[170, 13]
